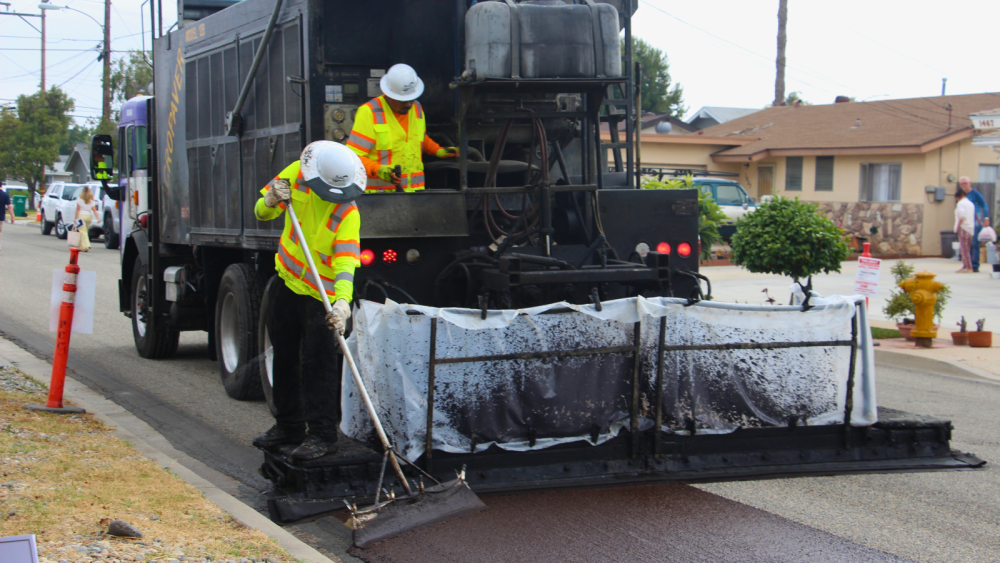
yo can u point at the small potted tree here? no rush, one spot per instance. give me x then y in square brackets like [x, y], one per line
[980, 338]
[788, 237]
[961, 338]
[899, 307]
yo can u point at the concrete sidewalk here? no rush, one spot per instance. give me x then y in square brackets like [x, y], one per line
[973, 296]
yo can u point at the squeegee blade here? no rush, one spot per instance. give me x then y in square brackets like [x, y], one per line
[437, 504]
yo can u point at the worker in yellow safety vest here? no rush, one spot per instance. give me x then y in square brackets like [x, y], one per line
[321, 186]
[390, 131]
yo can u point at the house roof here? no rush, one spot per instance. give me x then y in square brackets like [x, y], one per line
[58, 167]
[721, 114]
[81, 151]
[915, 125]
[650, 120]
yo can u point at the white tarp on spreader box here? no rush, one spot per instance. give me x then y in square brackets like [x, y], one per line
[533, 378]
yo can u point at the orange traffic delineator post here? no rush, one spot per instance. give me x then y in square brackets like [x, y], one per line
[65, 328]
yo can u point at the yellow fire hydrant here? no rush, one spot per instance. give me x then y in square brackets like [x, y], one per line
[923, 293]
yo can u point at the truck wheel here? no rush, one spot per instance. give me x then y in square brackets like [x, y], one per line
[61, 229]
[152, 344]
[263, 344]
[237, 315]
[110, 236]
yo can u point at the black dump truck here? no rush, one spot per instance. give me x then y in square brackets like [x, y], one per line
[537, 209]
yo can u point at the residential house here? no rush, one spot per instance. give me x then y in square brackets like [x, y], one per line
[78, 164]
[891, 165]
[709, 116]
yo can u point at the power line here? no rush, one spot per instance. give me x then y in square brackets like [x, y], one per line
[742, 48]
[77, 73]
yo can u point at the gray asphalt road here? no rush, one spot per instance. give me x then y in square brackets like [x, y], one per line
[923, 517]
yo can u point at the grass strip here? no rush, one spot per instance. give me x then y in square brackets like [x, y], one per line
[65, 478]
[880, 333]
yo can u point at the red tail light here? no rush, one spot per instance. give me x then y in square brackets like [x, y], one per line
[389, 257]
[663, 248]
[144, 220]
[367, 257]
[684, 249]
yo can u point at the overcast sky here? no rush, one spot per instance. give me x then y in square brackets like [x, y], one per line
[721, 51]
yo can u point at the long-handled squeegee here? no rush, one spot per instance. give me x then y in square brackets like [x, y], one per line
[398, 515]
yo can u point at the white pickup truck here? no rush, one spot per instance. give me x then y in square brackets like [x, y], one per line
[59, 209]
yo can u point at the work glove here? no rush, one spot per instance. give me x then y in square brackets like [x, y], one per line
[447, 152]
[385, 173]
[280, 191]
[337, 318]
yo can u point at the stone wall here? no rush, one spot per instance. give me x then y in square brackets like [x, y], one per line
[900, 225]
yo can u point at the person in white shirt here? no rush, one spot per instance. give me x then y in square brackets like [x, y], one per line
[965, 216]
[85, 206]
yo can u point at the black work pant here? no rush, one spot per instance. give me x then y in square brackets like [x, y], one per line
[306, 367]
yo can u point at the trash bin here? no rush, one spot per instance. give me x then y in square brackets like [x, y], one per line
[20, 203]
[948, 237]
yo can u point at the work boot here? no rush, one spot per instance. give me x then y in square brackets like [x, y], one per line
[278, 436]
[314, 447]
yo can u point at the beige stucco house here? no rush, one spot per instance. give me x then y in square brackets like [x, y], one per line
[869, 164]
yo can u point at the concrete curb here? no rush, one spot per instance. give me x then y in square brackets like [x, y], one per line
[922, 363]
[153, 445]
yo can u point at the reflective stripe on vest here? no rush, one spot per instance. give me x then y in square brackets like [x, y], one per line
[361, 142]
[377, 112]
[337, 216]
[385, 158]
[410, 181]
[420, 110]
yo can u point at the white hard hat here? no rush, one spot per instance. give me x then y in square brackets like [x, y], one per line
[333, 171]
[401, 83]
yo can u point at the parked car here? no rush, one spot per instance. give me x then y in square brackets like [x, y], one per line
[734, 201]
[59, 208]
[109, 219]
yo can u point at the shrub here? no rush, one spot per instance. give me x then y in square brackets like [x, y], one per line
[710, 215]
[898, 306]
[788, 237]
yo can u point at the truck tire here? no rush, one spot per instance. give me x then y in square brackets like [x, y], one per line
[151, 344]
[62, 230]
[263, 343]
[237, 316]
[110, 236]
[46, 226]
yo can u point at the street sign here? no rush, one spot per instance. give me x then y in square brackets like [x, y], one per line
[18, 549]
[83, 308]
[866, 280]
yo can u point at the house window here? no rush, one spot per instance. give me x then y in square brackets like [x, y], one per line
[824, 173]
[988, 173]
[793, 173]
[880, 181]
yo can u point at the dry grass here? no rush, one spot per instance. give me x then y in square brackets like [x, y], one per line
[65, 478]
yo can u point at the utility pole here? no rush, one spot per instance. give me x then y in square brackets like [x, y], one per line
[43, 57]
[779, 80]
[106, 106]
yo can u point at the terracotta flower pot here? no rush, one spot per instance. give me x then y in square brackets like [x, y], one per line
[906, 329]
[960, 338]
[981, 338]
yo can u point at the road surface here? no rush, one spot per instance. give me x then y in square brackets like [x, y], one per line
[930, 517]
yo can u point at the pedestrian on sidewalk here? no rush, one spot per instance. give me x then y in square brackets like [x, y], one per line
[985, 236]
[5, 207]
[982, 211]
[85, 206]
[965, 213]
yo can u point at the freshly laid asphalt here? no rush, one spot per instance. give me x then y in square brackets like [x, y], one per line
[922, 517]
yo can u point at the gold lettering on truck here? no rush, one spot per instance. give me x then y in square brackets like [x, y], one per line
[175, 91]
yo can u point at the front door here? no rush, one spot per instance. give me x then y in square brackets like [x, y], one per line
[765, 180]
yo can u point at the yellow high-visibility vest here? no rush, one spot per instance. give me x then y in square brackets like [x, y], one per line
[332, 231]
[378, 136]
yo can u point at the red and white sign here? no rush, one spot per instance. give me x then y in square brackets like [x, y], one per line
[866, 280]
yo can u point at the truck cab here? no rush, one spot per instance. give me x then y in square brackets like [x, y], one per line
[133, 169]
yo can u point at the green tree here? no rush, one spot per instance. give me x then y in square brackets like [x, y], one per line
[710, 215]
[30, 136]
[77, 134]
[130, 75]
[657, 95]
[796, 97]
[788, 237]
